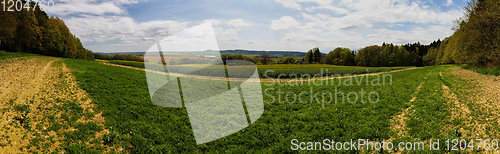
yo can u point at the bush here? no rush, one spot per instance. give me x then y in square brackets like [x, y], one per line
[288, 60]
[238, 57]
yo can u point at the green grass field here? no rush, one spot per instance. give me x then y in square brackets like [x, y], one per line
[273, 71]
[140, 126]
[7, 55]
[486, 71]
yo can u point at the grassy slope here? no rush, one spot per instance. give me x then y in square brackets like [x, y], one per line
[486, 71]
[122, 94]
[7, 55]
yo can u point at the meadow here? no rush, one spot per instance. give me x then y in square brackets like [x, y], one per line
[136, 124]
[483, 70]
[269, 71]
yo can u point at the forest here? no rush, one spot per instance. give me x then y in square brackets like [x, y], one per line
[35, 32]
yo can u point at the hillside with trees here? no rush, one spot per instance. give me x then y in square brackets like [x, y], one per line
[476, 38]
[35, 32]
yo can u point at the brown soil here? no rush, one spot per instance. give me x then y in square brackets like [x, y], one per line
[42, 84]
[398, 121]
[480, 107]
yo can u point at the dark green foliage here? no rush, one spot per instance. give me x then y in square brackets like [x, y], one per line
[277, 54]
[119, 57]
[239, 57]
[287, 60]
[266, 59]
[313, 56]
[127, 63]
[34, 32]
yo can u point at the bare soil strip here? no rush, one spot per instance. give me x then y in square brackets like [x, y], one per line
[399, 121]
[261, 80]
[480, 107]
[33, 91]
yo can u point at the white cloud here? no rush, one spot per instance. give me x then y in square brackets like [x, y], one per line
[365, 24]
[228, 30]
[283, 23]
[449, 2]
[293, 4]
[107, 28]
[87, 7]
[317, 23]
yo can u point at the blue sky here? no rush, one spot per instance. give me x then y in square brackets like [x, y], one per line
[298, 25]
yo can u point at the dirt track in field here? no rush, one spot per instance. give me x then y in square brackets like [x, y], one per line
[398, 122]
[263, 80]
[42, 85]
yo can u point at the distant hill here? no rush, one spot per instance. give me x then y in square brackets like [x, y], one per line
[250, 53]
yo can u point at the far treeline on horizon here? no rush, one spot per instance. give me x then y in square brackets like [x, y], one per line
[475, 42]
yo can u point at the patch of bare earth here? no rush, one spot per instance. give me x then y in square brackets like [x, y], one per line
[33, 91]
[398, 122]
[480, 107]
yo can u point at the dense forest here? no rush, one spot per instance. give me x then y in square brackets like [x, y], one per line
[33, 31]
[476, 38]
[387, 55]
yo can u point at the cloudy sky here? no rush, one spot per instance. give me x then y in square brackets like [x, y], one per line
[298, 25]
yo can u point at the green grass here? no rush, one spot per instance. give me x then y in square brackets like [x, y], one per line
[481, 70]
[140, 126]
[7, 55]
[270, 71]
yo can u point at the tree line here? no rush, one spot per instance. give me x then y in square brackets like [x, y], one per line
[476, 38]
[387, 55]
[35, 32]
[475, 42]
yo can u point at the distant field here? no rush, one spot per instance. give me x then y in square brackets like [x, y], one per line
[272, 71]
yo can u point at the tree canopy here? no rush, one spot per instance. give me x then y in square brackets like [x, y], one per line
[476, 38]
[36, 32]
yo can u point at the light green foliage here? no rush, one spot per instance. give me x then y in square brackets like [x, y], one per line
[340, 56]
[476, 39]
